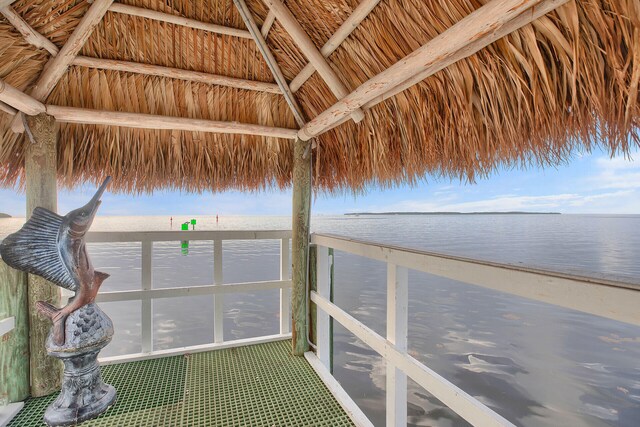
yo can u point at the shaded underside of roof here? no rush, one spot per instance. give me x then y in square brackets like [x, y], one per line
[567, 81]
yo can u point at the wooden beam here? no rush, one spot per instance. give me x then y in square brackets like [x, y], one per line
[30, 35]
[41, 179]
[19, 100]
[178, 20]
[57, 66]
[347, 27]
[175, 73]
[267, 24]
[309, 49]
[7, 108]
[151, 121]
[245, 13]
[5, 3]
[474, 32]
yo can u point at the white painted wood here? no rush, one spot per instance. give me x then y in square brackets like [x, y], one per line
[172, 236]
[347, 27]
[344, 400]
[218, 299]
[30, 35]
[20, 100]
[178, 20]
[322, 332]
[397, 333]
[191, 349]
[463, 39]
[190, 291]
[175, 73]
[7, 325]
[285, 293]
[7, 413]
[309, 49]
[152, 121]
[607, 298]
[250, 22]
[147, 302]
[455, 398]
[7, 108]
[267, 24]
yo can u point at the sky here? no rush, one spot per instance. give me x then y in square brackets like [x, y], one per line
[589, 183]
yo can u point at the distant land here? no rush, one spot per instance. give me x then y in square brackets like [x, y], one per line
[3, 215]
[453, 213]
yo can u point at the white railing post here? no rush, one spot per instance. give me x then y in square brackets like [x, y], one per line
[218, 300]
[322, 323]
[285, 294]
[147, 302]
[397, 331]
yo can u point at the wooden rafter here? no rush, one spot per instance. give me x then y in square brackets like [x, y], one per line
[250, 22]
[7, 108]
[347, 27]
[20, 100]
[30, 35]
[474, 32]
[309, 49]
[178, 20]
[5, 3]
[267, 24]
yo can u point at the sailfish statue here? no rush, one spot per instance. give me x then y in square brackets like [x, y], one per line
[53, 247]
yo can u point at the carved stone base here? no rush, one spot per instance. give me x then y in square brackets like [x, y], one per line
[84, 395]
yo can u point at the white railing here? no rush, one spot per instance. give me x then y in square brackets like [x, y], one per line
[612, 299]
[147, 293]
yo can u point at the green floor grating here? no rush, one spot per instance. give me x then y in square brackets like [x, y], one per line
[257, 385]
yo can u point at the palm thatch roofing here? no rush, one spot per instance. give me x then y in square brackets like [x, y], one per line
[569, 80]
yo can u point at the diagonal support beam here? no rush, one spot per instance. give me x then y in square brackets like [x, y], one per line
[245, 13]
[353, 21]
[20, 100]
[309, 49]
[57, 66]
[30, 35]
[267, 24]
[487, 24]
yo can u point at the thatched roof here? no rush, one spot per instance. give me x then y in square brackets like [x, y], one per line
[568, 80]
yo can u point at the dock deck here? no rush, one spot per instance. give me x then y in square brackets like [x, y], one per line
[257, 385]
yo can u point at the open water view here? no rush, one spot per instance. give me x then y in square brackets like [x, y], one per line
[535, 364]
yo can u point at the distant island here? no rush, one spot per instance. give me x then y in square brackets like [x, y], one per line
[452, 213]
[3, 215]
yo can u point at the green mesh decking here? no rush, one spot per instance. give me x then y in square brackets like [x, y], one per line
[257, 385]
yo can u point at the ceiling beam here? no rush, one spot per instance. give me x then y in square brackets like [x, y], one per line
[309, 49]
[267, 24]
[20, 100]
[151, 121]
[7, 108]
[175, 73]
[5, 3]
[245, 13]
[30, 35]
[487, 24]
[178, 20]
[347, 27]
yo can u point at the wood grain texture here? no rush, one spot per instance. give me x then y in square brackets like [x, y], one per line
[40, 165]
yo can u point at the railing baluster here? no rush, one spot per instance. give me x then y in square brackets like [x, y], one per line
[397, 331]
[322, 324]
[218, 300]
[147, 302]
[285, 294]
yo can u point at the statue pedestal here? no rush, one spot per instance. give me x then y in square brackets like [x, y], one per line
[84, 395]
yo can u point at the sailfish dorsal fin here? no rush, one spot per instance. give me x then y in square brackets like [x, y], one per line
[35, 249]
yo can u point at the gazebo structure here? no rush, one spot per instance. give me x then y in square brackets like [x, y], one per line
[316, 95]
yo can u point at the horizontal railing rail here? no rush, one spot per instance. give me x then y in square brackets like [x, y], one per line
[618, 300]
[147, 293]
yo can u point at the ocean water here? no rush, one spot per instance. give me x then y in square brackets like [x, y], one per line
[535, 364]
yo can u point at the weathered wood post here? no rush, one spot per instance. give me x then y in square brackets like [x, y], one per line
[300, 244]
[14, 346]
[41, 179]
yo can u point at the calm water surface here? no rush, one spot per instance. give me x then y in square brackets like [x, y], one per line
[536, 364]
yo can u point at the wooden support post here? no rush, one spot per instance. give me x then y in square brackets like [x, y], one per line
[300, 245]
[40, 171]
[397, 332]
[14, 346]
[323, 340]
[285, 294]
[313, 287]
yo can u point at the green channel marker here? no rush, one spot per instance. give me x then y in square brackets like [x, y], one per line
[193, 222]
[185, 226]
